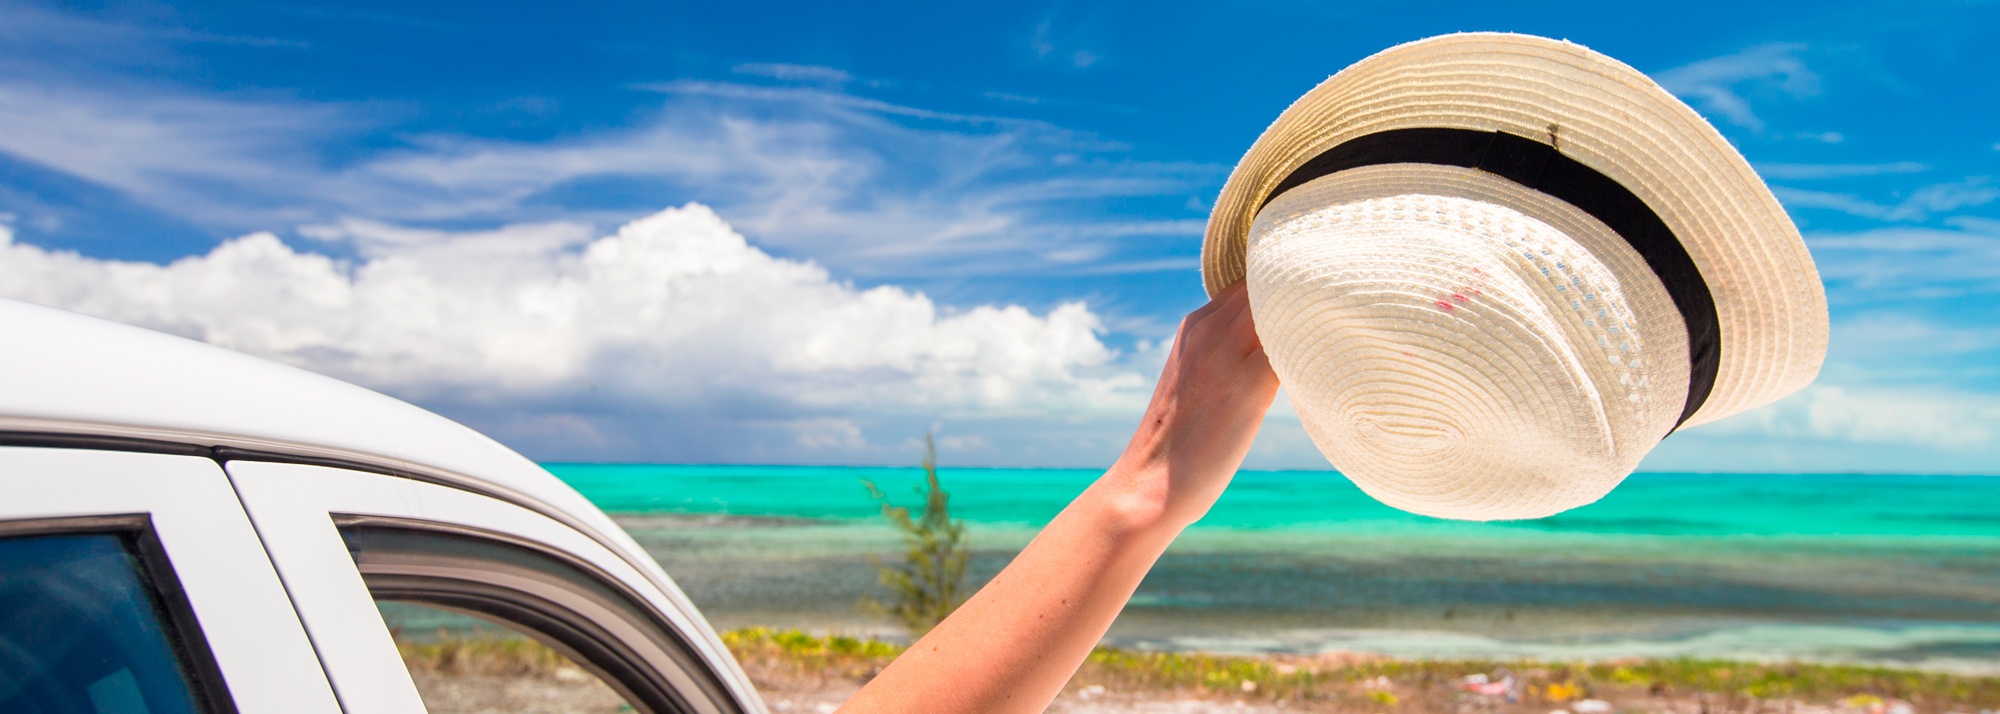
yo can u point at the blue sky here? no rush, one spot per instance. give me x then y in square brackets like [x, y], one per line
[979, 218]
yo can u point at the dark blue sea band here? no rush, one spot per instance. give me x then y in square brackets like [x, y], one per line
[1541, 167]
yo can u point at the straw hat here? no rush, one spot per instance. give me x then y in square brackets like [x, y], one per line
[1494, 270]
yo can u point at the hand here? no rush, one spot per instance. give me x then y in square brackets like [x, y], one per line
[1205, 412]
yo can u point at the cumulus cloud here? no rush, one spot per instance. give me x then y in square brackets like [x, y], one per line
[500, 319]
[675, 312]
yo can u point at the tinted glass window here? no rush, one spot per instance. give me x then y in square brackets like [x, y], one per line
[82, 632]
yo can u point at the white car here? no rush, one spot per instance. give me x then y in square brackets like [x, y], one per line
[188, 529]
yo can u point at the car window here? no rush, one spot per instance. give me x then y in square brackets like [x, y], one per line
[83, 630]
[463, 663]
[468, 611]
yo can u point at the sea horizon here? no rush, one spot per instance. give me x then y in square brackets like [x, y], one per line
[698, 464]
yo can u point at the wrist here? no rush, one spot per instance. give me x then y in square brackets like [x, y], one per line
[1139, 499]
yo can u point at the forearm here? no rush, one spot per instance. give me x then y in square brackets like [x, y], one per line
[1020, 638]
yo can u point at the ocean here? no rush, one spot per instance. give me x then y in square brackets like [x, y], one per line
[1901, 570]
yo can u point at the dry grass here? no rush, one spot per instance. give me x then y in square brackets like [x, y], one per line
[490, 673]
[484, 655]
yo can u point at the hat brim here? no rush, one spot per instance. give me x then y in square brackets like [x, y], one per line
[1769, 304]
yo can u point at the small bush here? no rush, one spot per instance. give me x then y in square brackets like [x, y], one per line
[930, 582]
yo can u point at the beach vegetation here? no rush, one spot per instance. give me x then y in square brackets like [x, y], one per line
[799, 654]
[508, 655]
[1359, 682]
[1562, 692]
[929, 582]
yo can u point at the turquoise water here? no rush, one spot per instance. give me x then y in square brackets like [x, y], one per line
[1896, 569]
[1661, 504]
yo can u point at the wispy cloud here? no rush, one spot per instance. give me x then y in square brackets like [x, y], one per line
[227, 162]
[1012, 98]
[795, 72]
[1909, 263]
[1920, 205]
[1718, 85]
[1807, 172]
[881, 188]
[1044, 43]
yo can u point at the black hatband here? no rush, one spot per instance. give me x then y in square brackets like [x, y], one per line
[1541, 167]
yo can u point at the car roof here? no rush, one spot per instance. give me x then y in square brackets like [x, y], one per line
[69, 374]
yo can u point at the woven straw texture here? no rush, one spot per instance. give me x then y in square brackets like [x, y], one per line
[1770, 306]
[1461, 346]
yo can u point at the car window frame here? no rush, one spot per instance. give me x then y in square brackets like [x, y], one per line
[244, 648]
[155, 571]
[299, 510]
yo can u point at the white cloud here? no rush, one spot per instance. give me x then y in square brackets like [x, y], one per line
[1042, 44]
[874, 189]
[1909, 263]
[1836, 171]
[794, 72]
[219, 160]
[1921, 204]
[1717, 84]
[495, 322]
[1982, 226]
[674, 312]
[829, 433]
[1955, 421]
[1011, 98]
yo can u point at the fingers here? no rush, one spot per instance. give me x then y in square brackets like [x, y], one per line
[1224, 307]
[1232, 297]
[1236, 324]
[1223, 327]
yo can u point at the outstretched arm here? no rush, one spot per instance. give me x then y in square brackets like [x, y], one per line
[1019, 639]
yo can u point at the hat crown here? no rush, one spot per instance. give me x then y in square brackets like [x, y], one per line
[1457, 356]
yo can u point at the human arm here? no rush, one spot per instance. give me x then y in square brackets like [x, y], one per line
[1016, 642]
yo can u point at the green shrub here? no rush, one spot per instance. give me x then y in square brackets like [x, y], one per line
[930, 582]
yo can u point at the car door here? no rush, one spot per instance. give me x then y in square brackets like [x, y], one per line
[344, 540]
[134, 582]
